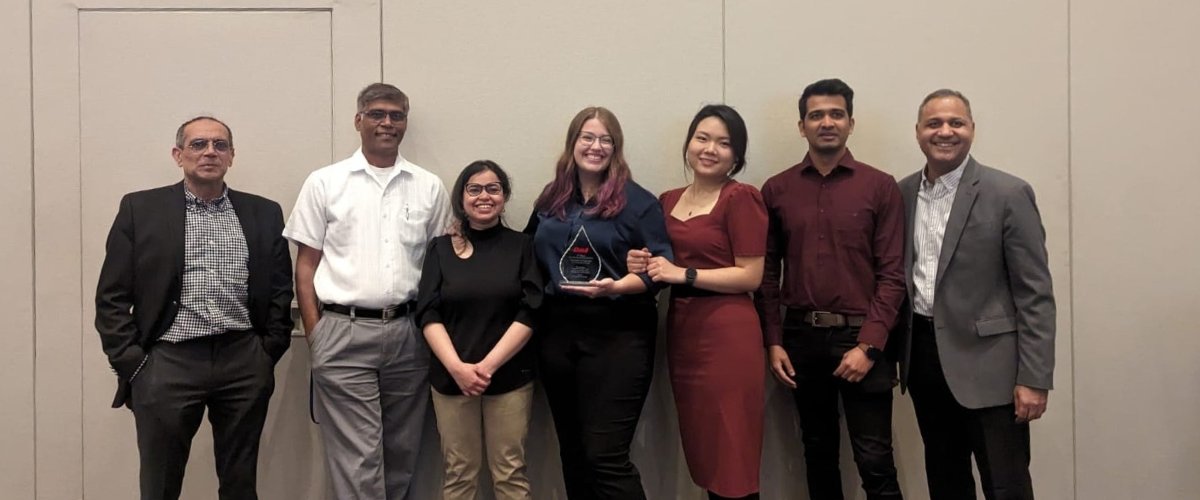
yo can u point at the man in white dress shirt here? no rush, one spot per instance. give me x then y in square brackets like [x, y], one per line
[360, 227]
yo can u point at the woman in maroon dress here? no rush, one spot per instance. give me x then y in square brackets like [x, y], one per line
[718, 228]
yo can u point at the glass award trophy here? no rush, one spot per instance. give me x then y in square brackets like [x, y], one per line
[580, 264]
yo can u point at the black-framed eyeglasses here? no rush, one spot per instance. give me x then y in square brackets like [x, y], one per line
[377, 115]
[492, 188]
[201, 145]
[606, 141]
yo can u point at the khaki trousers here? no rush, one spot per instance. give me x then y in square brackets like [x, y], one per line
[494, 427]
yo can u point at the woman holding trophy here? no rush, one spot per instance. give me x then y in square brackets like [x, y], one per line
[597, 335]
[718, 230]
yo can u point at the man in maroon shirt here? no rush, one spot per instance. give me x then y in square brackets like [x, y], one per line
[832, 285]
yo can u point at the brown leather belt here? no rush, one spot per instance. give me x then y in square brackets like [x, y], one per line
[826, 319]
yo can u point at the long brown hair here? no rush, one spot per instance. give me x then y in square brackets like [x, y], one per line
[610, 199]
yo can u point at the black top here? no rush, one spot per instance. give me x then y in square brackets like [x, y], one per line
[640, 224]
[477, 299]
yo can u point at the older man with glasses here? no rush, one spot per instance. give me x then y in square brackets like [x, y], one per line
[361, 227]
[193, 309]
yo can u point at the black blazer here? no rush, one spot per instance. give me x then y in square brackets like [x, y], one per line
[141, 279]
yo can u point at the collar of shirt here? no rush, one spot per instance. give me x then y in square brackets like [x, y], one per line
[949, 179]
[220, 203]
[847, 161]
[358, 162]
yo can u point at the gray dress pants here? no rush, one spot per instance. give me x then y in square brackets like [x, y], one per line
[371, 394]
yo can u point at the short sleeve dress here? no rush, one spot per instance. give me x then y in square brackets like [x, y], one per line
[714, 342]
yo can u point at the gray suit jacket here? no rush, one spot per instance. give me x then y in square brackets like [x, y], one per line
[993, 310]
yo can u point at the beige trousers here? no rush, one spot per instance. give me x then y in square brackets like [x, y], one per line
[494, 427]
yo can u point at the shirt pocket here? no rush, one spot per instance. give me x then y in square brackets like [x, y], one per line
[854, 229]
[414, 225]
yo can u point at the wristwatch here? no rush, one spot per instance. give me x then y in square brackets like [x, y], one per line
[872, 353]
[689, 276]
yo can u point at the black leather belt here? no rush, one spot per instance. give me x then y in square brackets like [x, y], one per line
[922, 323]
[385, 314]
[826, 319]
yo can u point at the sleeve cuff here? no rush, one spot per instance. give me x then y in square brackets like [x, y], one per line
[874, 334]
[139, 368]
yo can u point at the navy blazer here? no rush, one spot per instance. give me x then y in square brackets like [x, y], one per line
[141, 280]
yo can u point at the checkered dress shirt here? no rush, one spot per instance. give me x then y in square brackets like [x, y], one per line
[215, 272]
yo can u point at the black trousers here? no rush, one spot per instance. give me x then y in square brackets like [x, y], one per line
[815, 354]
[952, 433]
[232, 376]
[597, 359]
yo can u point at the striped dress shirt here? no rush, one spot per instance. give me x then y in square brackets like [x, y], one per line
[934, 201]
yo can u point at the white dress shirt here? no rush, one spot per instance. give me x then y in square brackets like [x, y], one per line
[372, 230]
[934, 201]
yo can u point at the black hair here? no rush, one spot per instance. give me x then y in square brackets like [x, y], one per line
[830, 86]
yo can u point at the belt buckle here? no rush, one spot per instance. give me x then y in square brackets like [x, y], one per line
[814, 318]
[388, 313]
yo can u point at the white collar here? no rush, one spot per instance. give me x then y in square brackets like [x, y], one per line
[358, 161]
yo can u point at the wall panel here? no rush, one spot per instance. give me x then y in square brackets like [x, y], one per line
[16, 359]
[502, 81]
[280, 111]
[1134, 75]
[893, 54]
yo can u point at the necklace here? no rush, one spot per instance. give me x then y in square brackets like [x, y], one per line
[695, 204]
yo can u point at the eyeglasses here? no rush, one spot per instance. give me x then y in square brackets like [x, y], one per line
[377, 115]
[492, 188]
[201, 145]
[606, 141]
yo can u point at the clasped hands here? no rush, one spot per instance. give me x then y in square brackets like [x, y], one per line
[659, 268]
[472, 378]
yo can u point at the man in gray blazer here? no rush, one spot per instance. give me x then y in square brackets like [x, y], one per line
[979, 359]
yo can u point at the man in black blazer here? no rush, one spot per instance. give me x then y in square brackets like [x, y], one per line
[193, 309]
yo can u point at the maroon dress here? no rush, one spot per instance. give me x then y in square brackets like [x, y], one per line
[714, 344]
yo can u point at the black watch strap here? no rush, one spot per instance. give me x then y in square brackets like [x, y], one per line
[689, 276]
[872, 353]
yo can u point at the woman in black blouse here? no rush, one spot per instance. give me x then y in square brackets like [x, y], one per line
[476, 300]
[597, 338]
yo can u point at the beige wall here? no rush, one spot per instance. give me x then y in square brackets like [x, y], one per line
[16, 359]
[1055, 93]
[1134, 108]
